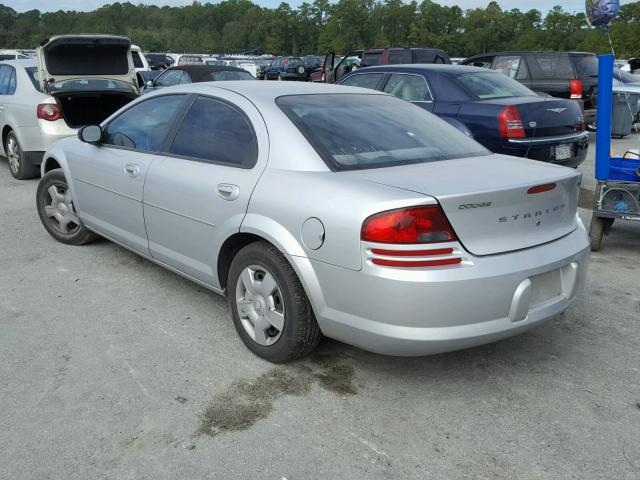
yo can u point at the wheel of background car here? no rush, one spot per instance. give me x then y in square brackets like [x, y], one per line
[280, 77]
[19, 166]
[596, 233]
[300, 69]
[57, 211]
[269, 306]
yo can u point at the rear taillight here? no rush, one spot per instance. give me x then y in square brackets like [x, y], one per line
[426, 224]
[580, 127]
[510, 123]
[285, 61]
[575, 89]
[49, 112]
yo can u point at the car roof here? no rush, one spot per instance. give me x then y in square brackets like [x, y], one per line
[200, 71]
[528, 52]
[422, 67]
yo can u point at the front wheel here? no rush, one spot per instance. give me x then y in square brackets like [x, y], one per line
[269, 306]
[57, 211]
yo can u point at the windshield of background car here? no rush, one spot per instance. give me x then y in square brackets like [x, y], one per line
[360, 131]
[89, 84]
[223, 75]
[33, 76]
[489, 85]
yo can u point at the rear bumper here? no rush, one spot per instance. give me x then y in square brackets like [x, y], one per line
[39, 138]
[543, 149]
[410, 313]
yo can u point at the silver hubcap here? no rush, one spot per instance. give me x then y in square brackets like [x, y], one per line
[260, 305]
[60, 211]
[13, 154]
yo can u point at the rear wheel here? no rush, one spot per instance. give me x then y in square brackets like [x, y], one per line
[19, 166]
[57, 211]
[270, 308]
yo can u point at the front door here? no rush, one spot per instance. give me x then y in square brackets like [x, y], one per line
[108, 178]
[197, 193]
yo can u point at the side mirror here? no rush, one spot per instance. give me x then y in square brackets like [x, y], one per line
[90, 134]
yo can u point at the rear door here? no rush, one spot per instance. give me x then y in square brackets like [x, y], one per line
[109, 178]
[196, 194]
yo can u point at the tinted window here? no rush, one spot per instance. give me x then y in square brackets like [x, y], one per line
[370, 80]
[423, 56]
[230, 75]
[216, 132]
[145, 125]
[169, 78]
[137, 61]
[371, 59]
[359, 131]
[395, 57]
[509, 65]
[552, 66]
[412, 88]
[491, 85]
[12, 83]
[5, 78]
[586, 65]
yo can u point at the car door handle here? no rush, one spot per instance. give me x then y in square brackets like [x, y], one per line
[131, 169]
[228, 191]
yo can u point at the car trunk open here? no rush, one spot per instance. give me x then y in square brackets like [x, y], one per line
[90, 108]
[91, 76]
[488, 200]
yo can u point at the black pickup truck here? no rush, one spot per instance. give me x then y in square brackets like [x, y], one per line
[572, 75]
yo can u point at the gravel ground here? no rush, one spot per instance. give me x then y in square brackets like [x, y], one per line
[111, 367]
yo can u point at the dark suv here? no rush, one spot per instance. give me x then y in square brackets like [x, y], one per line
[333, 70]
[286, 68]
[571, 75]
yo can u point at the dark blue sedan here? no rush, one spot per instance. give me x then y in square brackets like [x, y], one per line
[500, 113]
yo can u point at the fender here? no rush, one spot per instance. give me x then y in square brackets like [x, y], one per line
[55, 153]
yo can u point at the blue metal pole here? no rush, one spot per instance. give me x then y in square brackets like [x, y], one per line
[603, 116]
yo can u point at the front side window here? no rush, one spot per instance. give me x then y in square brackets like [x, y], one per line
[217, 132]
[489, 85]
[365, 80]
[169, 78]
[361, 131]
[145, 125]
[412, 88]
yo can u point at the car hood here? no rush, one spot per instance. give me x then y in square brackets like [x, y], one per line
[74, 57]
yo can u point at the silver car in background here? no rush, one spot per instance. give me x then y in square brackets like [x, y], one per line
[325, 210]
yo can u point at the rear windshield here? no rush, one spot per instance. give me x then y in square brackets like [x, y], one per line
[586, 65]
[89, 85]
[221, 76]
[489, 85]
[360, 131]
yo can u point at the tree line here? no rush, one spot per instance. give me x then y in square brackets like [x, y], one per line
[236, 25]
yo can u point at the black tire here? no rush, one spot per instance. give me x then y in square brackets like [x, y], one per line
[19, 165]
[596, 232]
[77, 234]
[301, 333]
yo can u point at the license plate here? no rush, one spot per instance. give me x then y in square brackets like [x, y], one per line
[545, 287]
[563, 152]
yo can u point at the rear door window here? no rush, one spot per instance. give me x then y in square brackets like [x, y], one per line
[215, 131]
[137, 61]
[5, 79]
[412, 88]
[364, 80]
[557, 67]
[145, 125]
[169, 78]
[512, 66]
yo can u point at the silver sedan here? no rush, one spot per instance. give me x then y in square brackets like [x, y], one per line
[325, 210]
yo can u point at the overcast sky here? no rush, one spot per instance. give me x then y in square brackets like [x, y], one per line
[48, 5]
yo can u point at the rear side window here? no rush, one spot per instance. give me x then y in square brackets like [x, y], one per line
[395, 57]
[370, 80]
[557, 67]
[145, 125]
[371, 59]
[32, 72]
[512, 66]
[361, 131]
[412, 88]
[137, 61]
[12, 83]
[5, 79]
[216, 132]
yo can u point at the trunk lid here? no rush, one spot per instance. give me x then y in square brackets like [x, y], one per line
[65, 59]
[545, 117]
[486, 199]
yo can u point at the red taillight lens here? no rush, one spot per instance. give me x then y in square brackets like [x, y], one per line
[426, 224]
[510, 123]
[49, 112]
[580, 127]
[547, 187]
[575, 89]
